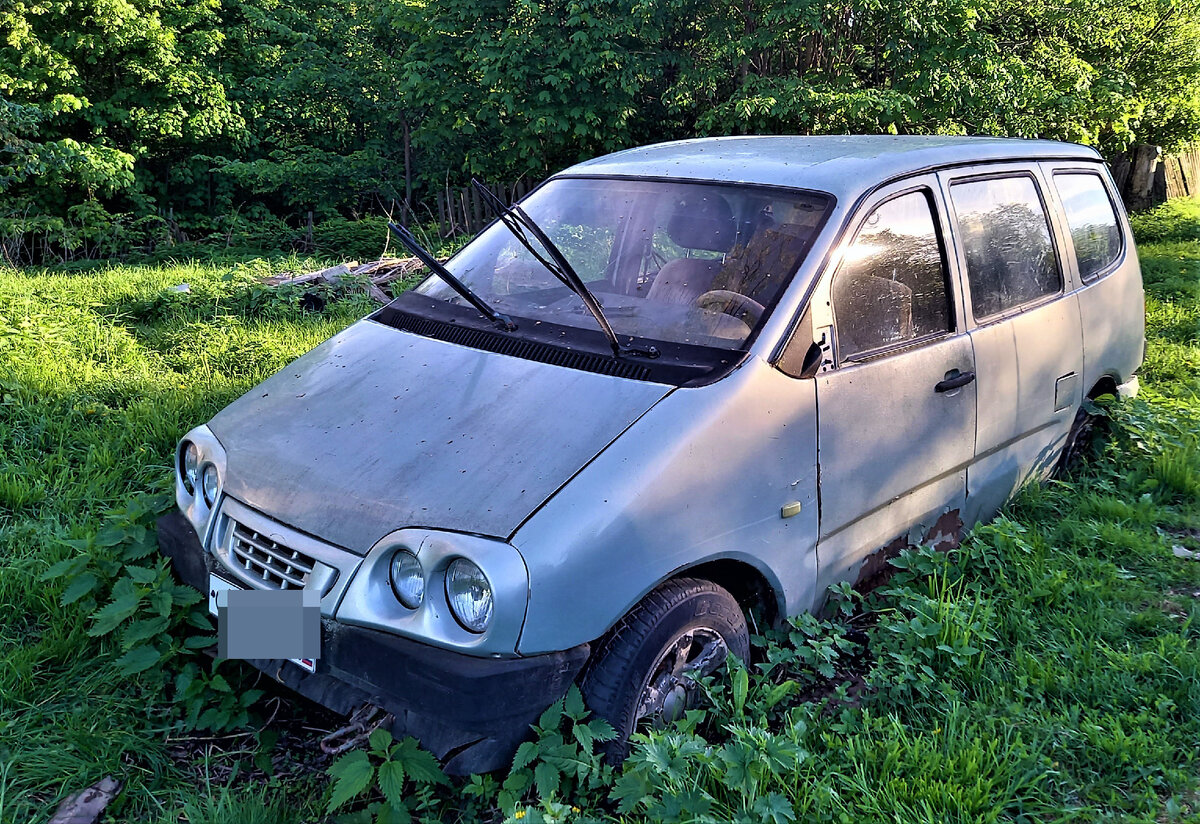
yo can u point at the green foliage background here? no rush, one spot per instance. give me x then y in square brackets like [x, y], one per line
[130, 124]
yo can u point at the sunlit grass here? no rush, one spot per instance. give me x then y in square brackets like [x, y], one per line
[1082, 700]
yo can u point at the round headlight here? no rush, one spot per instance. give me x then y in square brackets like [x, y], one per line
[408, 580]
[469, 594]
[211, 483]
[191, 467]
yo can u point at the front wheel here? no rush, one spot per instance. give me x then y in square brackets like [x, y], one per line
[644, 671]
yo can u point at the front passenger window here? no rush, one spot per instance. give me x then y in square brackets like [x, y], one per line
[891, 286]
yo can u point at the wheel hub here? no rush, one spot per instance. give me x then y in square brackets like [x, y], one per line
[671, 688]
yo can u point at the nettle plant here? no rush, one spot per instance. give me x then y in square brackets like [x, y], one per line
[560, 775]
[128, 594]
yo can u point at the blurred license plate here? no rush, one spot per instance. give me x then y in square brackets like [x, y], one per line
[218, 584]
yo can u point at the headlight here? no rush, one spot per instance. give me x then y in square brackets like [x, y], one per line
[191, 467]
[408, 579]
[211, 482]
[469, 594]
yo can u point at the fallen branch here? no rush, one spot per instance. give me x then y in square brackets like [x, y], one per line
[377, 272]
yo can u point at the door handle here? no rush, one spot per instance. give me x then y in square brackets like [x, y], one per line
[954, 380]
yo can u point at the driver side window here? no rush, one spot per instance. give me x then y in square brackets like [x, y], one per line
[891, 285]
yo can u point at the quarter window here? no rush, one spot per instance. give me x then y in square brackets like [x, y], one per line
[891, 286]
[1092, 221]
[1006, 239]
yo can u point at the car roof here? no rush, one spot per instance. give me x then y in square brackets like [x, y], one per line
[844, 165]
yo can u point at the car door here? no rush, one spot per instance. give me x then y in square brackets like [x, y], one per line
[896, 412]
[1024, 326]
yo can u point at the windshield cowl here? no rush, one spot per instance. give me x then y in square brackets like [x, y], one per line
[570, 346]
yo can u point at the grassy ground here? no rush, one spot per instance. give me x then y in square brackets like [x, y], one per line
[1047, 670]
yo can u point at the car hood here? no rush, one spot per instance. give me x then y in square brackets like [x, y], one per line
[378, 429]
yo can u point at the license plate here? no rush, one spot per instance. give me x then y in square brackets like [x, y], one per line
[218, 584]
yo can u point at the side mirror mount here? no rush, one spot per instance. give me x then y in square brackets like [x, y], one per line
[813, 359]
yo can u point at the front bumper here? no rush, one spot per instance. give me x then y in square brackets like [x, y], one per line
[470, 712]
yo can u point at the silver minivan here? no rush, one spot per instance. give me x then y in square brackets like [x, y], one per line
[675, 386]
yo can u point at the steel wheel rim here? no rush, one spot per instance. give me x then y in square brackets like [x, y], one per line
[671, 687]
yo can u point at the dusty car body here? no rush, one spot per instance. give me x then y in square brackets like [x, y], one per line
[824, 347]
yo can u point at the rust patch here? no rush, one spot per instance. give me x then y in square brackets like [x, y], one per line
[876, 570]
[945, 533]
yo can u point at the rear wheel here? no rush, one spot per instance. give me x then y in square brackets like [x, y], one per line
[644, 671]
[1079, 441]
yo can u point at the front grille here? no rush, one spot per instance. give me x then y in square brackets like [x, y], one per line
[274, 564]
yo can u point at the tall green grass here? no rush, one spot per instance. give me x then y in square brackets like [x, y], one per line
[1047, 670]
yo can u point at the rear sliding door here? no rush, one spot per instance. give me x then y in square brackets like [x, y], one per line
[1024, 326]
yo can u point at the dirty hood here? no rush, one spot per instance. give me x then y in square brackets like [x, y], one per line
[378, 429]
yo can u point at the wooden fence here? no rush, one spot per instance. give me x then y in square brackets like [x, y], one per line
[465, 210]
[1145, 177]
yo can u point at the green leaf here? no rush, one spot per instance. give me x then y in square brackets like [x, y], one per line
[741, 688]
[219, 684]
[391, 782]
[420, 765]
[143, 630]
[775, 809]
[110, 617]
[526, 753]
[141, 575]
[393, 814]
[111, 536]
[80, 585]
[780, 692]
[583, 734]
[352, 773]
[67, 567]
[379, 741]
[552, 716]
[185, 596]
[546, 777]
[136, 550]
[601, 730]
[573, 703]
[138, 659]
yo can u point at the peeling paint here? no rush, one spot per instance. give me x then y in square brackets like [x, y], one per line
[943, 534]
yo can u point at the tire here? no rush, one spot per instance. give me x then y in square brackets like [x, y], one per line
[640, 671]
[1078, 443]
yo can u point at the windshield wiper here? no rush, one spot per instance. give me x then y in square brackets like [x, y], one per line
[517, 221]
[432, 263]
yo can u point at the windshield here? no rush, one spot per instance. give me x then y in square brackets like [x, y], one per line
[688, 263]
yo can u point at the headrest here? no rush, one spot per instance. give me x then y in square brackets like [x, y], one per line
[702, 221]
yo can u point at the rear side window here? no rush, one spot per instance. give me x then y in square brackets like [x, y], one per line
[1006, 239]
[1092, 220]
[891, 286]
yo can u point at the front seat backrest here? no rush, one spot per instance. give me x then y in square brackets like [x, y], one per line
[701, 220]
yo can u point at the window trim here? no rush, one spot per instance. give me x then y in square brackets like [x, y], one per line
[1119, 258]
[880, 352]
[1015, 309]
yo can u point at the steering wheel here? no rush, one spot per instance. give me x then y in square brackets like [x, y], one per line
[732, 303]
